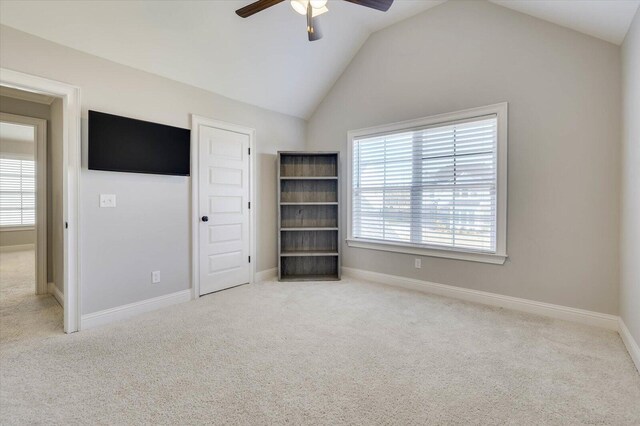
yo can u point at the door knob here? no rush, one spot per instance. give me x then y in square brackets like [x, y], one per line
[205, 218]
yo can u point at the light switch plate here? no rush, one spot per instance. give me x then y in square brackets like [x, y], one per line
[107, 200]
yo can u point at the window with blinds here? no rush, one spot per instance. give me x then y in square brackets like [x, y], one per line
[433, 186]
[17, 192]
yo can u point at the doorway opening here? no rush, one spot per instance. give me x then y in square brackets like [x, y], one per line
[30, 244]
[46, 199]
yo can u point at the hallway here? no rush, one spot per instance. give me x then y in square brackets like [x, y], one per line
[23, 315]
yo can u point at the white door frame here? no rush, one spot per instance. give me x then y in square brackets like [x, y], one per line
[40, 157]
[71, 114]
[196, 121]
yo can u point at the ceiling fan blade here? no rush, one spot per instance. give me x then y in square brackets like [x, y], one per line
[382, 5]
[313, 30]
[256, 7]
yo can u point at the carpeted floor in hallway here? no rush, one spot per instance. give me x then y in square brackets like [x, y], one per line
[347, 352]
[23, 315]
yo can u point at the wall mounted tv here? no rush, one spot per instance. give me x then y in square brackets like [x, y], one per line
[121, 144]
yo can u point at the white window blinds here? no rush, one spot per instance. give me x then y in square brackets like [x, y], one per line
[17, 192]
[434, 186]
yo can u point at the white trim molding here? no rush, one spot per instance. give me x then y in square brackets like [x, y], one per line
[56, 293]
[630, 343]
[566, 313]
[17, 247]
[266, 275]
[17, 228]
[500, 110]
[71, 117]
[132, 309]
[457, 254]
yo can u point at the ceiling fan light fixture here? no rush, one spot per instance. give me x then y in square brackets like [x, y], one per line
[311, 9]
[318, 4]
[300, 6]
[319, 11]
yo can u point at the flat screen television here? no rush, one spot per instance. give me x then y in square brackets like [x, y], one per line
[121, 144]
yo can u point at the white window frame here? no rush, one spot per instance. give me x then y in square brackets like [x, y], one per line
[501, 112]
[23, 226]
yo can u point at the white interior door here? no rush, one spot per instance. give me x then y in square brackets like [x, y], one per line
[223, 169]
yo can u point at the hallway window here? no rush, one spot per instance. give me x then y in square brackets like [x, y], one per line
[17, 192]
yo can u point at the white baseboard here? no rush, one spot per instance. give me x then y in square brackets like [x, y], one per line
[630, 343]
[266, 275]
[540, 308]
[55, 292]
[126, 311]
[17, 247]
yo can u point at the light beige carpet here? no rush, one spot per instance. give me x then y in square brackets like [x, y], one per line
[323, 353]
[23, 315]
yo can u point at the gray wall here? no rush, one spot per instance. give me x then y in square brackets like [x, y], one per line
[630, 222]
[149, 229]
[55, 232]
[563, 90]
[17, 237]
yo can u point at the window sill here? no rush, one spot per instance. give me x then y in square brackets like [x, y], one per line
[496, 259]
[16, 228]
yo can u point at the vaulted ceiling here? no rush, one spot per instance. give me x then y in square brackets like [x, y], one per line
[605, 19]
[264, 60]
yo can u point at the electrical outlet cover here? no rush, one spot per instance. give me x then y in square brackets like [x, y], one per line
[107, 200]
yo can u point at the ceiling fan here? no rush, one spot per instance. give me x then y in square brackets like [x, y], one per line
[311, 8]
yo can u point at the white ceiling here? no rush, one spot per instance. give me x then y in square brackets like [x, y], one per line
[606, 19]
[264, 60]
